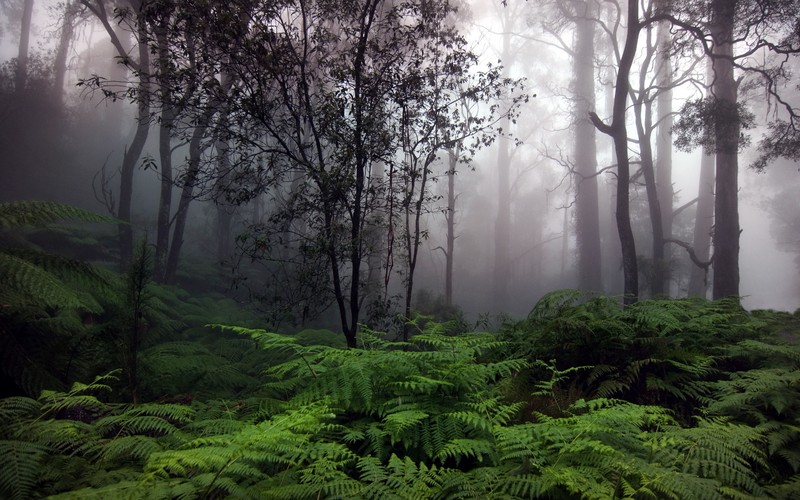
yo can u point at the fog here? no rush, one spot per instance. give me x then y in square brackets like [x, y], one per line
[59, 157]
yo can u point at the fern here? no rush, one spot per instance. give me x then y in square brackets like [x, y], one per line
[39, 213]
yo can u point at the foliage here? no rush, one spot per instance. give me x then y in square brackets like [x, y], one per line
[46, 300]
[703, 121]
[440, 416]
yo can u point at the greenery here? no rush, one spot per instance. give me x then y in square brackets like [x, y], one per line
[582, 399]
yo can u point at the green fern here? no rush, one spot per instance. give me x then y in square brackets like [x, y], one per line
[39, 213]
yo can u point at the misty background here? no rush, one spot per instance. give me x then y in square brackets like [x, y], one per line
[63, 145]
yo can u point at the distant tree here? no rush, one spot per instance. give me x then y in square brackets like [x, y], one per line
[730, 33]
[24, 42]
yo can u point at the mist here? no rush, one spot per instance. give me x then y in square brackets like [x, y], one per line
[71, 150]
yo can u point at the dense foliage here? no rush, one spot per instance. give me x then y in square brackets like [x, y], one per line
[582, 399]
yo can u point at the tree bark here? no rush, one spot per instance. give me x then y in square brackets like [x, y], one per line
[450, 217]
[704, 217]
[502, 227]
[21, 75]
[65, 39]
[726, 203]
[664, 146]
[587, 218]
[619, 133]
[165, 154]
[134, 151]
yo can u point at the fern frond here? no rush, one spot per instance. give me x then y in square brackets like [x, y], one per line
[20, 470]
[32, 283]
[38, 213]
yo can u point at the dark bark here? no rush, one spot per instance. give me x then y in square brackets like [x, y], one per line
[21, 76]
[134, 151]
[187, 195]
[165, 154]
[619, 133]
[726, 203]
[587, 218]
[224, 212]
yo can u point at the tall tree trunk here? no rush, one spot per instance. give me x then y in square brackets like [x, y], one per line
[450, 217]
[113, 114]
[704, 217]
[587, 218]
[613, 251]
[165, 154]
[21, 75]
[502, 227]
[224, 211]
[374, 235]
[134, 151]
[619, 133]
[726, 204]
[187, 195]
[65, 39]
[664, 145]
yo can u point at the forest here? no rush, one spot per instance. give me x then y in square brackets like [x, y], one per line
[407, 249]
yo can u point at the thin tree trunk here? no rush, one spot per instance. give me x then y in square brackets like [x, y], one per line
[726, 205]
[134, 151]
[644, 128]
[165, 155]
[619, 133]
[587, 218]
[187, 195]
[450, 217]
[502, 228]
[65, 39]
[21, 75]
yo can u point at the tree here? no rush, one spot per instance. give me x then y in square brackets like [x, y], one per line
[726, 201]
[441, 111]
[131, 15]
[24, 42]
[730, 35]
[330, 93]
[618, 132]
[587, 218]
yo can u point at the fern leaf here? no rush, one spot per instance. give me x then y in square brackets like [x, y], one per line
[20, 470]
[38, 213]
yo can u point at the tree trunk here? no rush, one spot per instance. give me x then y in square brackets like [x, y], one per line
[587, 218]
[60, 63]
[502, 227]
[450, 217]
[165, 155]
[704, 217]
[21, 75]
[187, 195]
[664, 146]
[726, 205]
[134, 152]
[224, 211]
[619, 133]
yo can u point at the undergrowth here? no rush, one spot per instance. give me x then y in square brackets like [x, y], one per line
[666, 399]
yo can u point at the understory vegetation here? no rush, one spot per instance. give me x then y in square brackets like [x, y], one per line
[125, 389]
